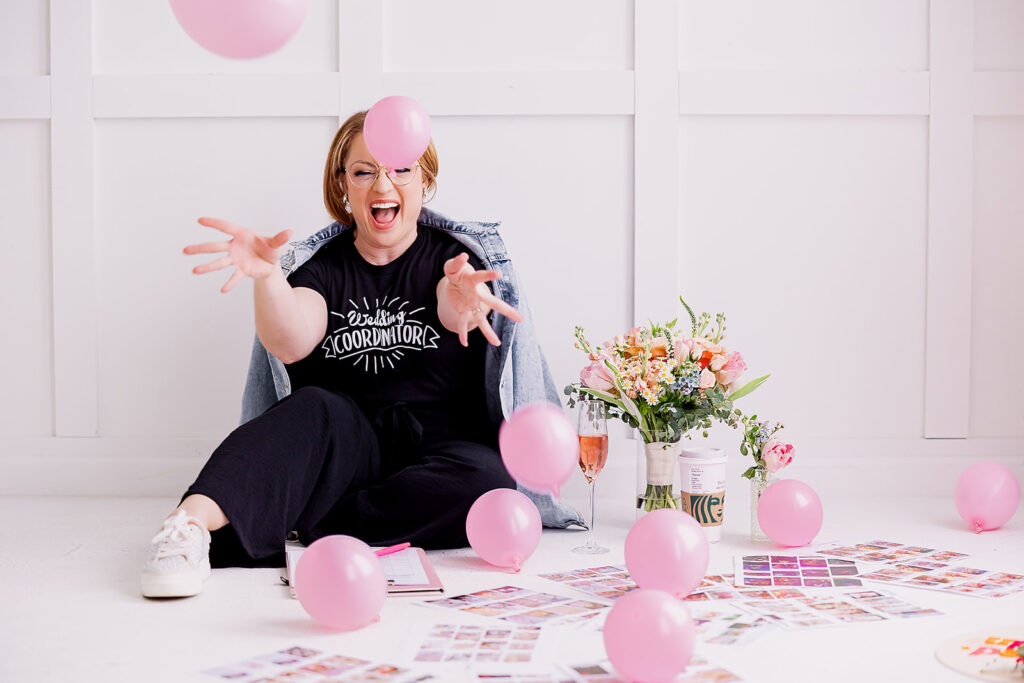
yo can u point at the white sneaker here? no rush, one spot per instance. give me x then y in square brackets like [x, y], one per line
[179, 560]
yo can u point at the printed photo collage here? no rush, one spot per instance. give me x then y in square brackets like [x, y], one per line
[313, 666]
[790, 571]
[917, 566]
[978, 583]
[817, 610]
[523, 607]
[890, 552]
[699, 670]
[728, 625]
[470, 643]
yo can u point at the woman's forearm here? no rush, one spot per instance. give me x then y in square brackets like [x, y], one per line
[282, 321]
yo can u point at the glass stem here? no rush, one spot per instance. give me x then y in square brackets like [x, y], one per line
[590, 538]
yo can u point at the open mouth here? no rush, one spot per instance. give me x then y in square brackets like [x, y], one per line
[384, 213]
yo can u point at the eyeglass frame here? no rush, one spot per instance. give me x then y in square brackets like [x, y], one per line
[379, 167]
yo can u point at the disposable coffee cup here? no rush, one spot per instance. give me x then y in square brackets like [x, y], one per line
[702, 471]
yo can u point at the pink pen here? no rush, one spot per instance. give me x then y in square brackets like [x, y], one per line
[391, 549]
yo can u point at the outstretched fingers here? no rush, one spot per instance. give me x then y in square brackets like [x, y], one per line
[453, 267]
[216, 264]
[464, 327]
[220, 224]
[232, 281]
[280, 239]
[206, 248]
[487, 330]
[501, 307]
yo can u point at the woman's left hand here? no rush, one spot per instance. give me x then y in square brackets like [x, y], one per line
[464, 300]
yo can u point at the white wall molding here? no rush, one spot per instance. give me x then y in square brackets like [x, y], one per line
[795, 93]
[75, 311]
[999, 93]
[215, 95]
[656, 211]
[950, 217]
[25, 97]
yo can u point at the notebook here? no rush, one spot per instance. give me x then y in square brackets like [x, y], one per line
[408, 571]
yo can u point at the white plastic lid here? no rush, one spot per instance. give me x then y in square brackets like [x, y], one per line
[702, 453]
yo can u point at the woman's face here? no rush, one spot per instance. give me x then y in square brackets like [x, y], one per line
[385, 213]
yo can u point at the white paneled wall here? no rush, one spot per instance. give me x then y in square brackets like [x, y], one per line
[843, 179]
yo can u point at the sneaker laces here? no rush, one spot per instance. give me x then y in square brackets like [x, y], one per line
[173, 538]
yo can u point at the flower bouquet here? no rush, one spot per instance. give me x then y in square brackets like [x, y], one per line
[665, 383]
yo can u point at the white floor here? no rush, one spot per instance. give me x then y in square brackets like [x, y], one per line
[70, 607]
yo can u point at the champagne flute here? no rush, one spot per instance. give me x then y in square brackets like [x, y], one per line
[592, 428]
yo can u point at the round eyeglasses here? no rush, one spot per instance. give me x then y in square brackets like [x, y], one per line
[363, 174]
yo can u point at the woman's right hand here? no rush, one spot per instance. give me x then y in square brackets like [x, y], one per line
[252, 255]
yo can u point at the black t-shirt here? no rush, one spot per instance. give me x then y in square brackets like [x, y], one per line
[384, 342]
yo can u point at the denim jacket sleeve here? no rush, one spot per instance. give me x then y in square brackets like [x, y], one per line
[516, 372]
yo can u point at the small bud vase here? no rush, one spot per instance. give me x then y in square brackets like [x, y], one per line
[761, 481]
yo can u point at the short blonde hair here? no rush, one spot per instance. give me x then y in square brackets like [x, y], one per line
[334, 169]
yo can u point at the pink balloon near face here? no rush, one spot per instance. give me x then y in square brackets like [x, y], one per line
[504, 527]
[987, 495]
[667, 550]
[649, 636]
[539, 447]
[397, 131]
[340, 582]
[241, 29]
[789, 513]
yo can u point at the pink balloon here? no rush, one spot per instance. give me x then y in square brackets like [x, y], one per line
[789, 513]
[503, 527]
[649, 636]
[666, 549]
[397, 131]
[987, 495]
[340, 582]
[242, 29]
[539, 447]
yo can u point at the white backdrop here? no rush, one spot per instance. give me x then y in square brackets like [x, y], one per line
[843, 179]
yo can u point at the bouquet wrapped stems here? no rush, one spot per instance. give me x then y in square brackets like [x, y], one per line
[660, 473]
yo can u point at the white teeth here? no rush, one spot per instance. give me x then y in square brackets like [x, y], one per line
[384, 205]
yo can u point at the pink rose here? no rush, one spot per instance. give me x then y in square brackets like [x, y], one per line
[717, 361]
[776, 455]
[707, 379]
[731, 370]
[598, 376]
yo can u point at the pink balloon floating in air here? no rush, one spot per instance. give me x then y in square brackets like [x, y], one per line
[789, 513]
[987, 495]
[649, 636]
[667, 550]
[397, 131]
[539, 447]
[504, 528]
[340, 582]
[242, 29]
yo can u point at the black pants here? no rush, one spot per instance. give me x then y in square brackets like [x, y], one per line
[314, 463]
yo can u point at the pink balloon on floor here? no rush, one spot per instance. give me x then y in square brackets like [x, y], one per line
[340, 582]
[789, 513]
[539, 447]
[666, 549]
[397, 131]
[504, 527]
[649, 636]
[987, 495]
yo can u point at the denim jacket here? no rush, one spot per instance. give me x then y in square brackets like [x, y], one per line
[515, 373]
